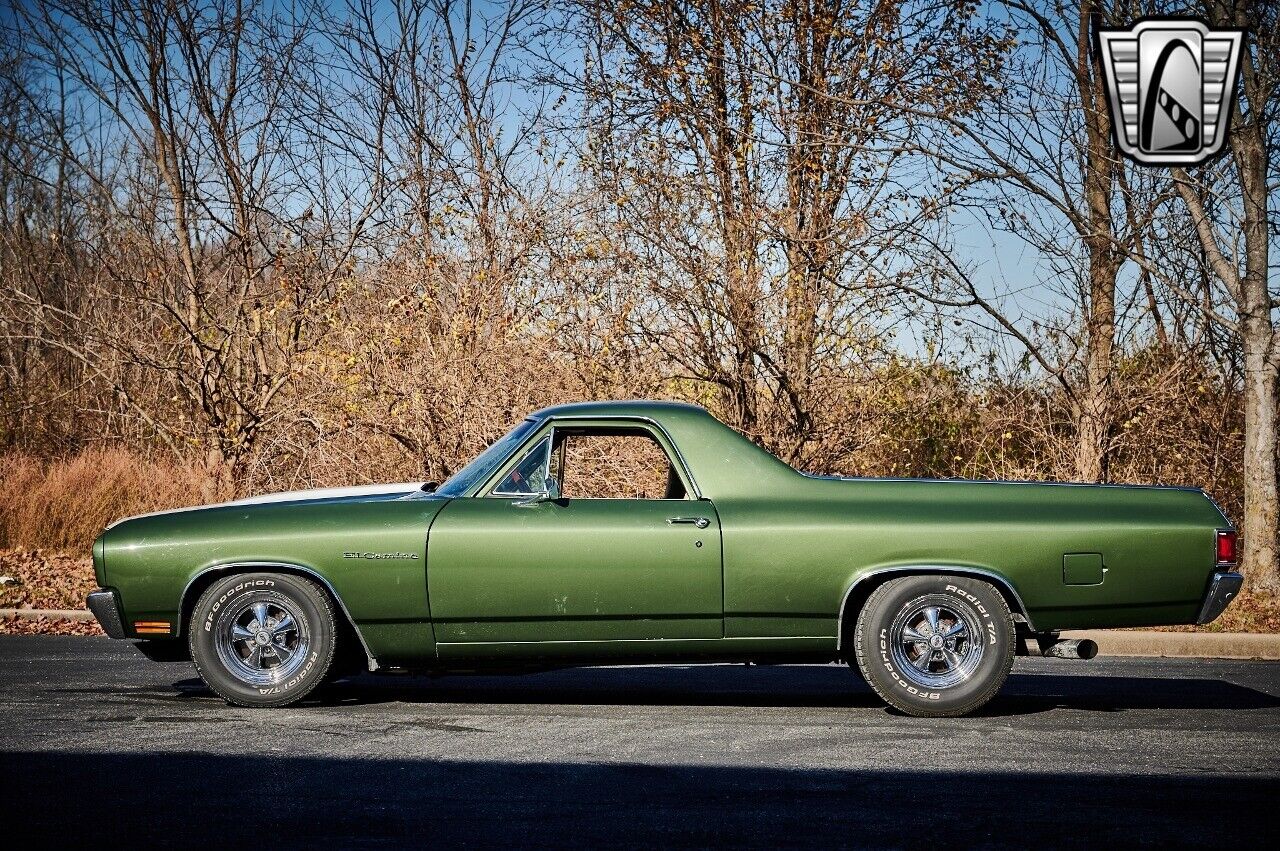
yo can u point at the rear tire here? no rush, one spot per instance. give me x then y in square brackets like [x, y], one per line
[262, 639]
[935, 646]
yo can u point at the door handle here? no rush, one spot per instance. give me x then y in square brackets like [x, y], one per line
[700, 522]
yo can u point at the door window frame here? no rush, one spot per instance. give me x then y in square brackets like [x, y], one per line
[655, 431]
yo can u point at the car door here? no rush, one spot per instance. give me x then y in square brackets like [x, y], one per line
[511, 566]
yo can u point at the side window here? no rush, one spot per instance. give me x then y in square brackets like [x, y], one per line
[615, 465]
[530, 475]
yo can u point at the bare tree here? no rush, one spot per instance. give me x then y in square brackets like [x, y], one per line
[750, 160]
[458, 262]
[1038, 165]
[212, 250]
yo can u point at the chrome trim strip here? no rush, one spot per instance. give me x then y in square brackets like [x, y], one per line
[1057, 484]
[373, 662]
[942, 569]
[741, 638]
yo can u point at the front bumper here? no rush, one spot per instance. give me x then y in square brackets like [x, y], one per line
[1222, 590]
[106, 608]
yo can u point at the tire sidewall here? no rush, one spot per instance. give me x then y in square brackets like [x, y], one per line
[310, 604]
[875, 660]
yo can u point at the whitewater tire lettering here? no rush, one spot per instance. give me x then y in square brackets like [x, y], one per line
[257, 583]
[982, 610]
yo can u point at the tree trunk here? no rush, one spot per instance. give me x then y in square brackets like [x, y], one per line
[1093, 407]
[1092, 435]
[219, 483]
[1260, 337]
[1258, 527]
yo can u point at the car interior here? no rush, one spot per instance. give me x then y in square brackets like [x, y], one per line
[595, 463]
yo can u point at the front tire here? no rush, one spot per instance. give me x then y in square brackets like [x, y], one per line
[935, 646]
[262, 639]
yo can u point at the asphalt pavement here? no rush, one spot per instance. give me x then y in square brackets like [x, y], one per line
[99, 746]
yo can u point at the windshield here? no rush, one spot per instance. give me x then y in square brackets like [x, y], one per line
[486, 462]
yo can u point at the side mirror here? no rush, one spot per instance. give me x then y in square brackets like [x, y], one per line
[532, 500]
[429, 487]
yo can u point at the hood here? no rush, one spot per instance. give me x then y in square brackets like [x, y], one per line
[360, 493]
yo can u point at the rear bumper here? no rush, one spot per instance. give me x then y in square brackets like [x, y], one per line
[106, 608]
[1222, 590]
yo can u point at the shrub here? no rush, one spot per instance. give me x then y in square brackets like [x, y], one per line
[64, 504]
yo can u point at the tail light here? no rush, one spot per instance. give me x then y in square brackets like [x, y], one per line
[1226, 547]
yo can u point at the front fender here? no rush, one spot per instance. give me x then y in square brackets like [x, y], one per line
[205, 577]
[370, 556]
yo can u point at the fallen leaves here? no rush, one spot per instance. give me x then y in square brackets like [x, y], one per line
[44, 580]
[44, 626]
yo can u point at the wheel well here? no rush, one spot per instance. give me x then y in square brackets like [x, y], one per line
[863, 589]
[349, 637]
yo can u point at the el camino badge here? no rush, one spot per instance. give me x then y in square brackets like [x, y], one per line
[376, 556]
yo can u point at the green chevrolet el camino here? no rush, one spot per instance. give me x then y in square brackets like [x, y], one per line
[650, 532]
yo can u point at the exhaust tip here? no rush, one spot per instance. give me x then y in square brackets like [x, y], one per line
[1070, 648]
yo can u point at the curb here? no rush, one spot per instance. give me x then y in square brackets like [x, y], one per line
[73, 615]
[1195, 645]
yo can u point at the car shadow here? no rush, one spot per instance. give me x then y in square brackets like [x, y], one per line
[1025, 694]
[782, 686]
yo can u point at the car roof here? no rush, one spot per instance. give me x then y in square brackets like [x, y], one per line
[619, 408]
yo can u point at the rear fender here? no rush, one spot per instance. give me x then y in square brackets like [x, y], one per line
[863, 584]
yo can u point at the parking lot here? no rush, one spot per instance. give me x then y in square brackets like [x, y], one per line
[99, 743]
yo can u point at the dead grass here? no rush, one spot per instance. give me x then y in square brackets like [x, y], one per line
[63, 505]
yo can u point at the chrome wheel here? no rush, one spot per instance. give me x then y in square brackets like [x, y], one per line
[262, 641]
[935, 643]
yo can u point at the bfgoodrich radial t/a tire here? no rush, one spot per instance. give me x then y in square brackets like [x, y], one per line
[935, 646]
[262, 639]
